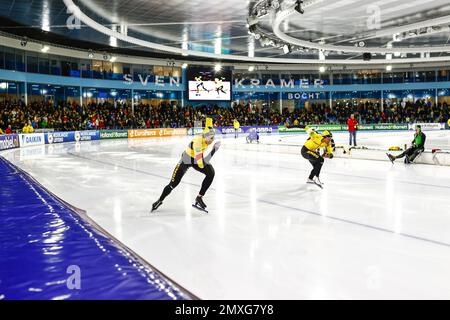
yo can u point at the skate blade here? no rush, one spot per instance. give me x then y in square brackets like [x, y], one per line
[316, 184]
[392, 161]
[199, 208]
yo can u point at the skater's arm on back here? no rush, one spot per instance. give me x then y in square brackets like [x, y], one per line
[213, 151]
[198, 152]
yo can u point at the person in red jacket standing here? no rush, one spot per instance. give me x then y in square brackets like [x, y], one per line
[352, 127]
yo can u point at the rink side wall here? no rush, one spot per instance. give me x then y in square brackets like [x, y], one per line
[441, 157]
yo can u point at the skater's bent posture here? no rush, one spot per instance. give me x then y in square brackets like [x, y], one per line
[310, 151]
[418, 146]
[253, 136]
[192, 157]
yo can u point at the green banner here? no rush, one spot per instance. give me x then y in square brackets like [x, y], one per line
[284, 129]
[365, 126]
[114, 134]
[390, 126]
[329, 127]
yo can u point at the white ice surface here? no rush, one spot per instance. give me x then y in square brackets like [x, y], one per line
[376, 231]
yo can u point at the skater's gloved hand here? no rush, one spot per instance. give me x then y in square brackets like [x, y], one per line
[328, 155]
[217, 145]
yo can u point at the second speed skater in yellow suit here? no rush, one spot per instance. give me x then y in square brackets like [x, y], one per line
[310, 151]
[193, 157]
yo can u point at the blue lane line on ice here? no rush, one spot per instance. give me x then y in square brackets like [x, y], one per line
[274, 203]
[46, 245]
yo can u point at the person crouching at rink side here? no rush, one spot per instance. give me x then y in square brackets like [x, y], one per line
[310, 151]
[192, 157]
[352, 124]
[418, 146]
[252, 136]
[236, 126]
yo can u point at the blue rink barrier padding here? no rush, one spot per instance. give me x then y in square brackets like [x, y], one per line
[50, 251]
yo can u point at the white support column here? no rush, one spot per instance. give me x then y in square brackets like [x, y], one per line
[437, 97]
[81, 96]
[331, 100]
[26, 93]
[281, 102]
[382, 101]
[132, 101]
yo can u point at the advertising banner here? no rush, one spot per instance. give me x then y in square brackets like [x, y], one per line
[318, 127]
[87, 135]
[114, 134]
[246, 129]
[59, 137]
[390, 126]
[194, 131]
[329, 127]
[71, 136]
[428, 126]
[31, 139]
[155, 133]
[9, 141]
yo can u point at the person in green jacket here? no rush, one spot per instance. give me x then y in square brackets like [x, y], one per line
[417, 147]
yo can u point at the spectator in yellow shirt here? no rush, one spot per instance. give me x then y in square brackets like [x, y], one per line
[28, 128]
[236, 126]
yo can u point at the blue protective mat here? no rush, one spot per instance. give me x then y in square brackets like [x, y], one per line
[47, 251]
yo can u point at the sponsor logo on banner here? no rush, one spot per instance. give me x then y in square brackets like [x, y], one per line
[330, 127]
[59, 137]
[149, 133]
[428, 126]
[390, 126]
[195, 131]
[87, 135]
[9, 141]
[31, 139]
[246, 129]
[114, 134]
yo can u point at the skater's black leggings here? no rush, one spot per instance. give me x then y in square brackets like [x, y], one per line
[315, 159]
[412, 153]
[180, 171]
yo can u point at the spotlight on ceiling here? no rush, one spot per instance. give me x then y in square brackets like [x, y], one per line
[184, 66]
[388, 56]
[251, 68]
[113, 59]
[388, 68]
[45, 49]
[91, 54]
[298, 6]
[287, 49]
[322, 69]
[275, 4]
[24, 42]
[217, 67]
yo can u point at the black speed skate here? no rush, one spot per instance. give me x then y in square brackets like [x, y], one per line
[199, 204]
[311, 181]
[156, 205]
[391, 157]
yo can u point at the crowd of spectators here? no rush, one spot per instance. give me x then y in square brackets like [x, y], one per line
[16, 115]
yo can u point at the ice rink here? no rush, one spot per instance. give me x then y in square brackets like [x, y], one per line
[376, 230]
